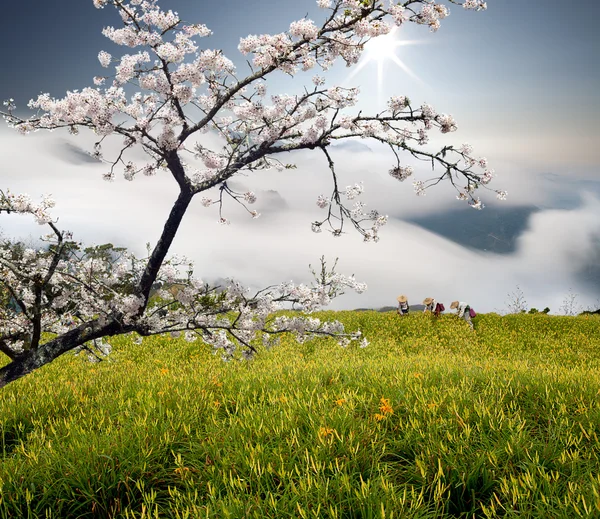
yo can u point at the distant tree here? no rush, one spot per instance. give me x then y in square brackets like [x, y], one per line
[516, 303]
[569, 305]
[82, 295]
[590, 312]
[593, 309]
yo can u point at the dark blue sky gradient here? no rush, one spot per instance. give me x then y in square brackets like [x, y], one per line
[47, 45]
[530, 67]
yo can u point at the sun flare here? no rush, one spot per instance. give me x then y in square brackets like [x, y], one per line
[382, 50]
[382, 47]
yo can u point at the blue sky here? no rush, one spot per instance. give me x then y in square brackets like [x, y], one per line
[521, 79]
[524, 71]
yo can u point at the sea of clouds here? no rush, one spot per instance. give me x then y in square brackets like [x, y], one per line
[557, 242]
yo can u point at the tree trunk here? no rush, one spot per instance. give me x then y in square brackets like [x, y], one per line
[164, 243]
[47, 352]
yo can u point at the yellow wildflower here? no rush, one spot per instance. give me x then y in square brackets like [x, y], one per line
[385, 407]
[325, 431]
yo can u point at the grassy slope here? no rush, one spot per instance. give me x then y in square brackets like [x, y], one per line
[430, 420]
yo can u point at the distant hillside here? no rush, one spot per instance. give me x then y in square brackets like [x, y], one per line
[494, 229]
[413, 308]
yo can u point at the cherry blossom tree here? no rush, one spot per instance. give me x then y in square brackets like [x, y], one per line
[64, 297]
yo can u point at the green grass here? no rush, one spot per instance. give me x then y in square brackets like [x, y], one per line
[431, 420]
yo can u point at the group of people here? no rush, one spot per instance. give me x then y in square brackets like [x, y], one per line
[463, 310]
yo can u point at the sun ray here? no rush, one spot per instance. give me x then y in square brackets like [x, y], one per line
[380, 50]
[406, 69]
[361, 64]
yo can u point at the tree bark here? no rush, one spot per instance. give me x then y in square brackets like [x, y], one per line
[45, 353]
[164, 243]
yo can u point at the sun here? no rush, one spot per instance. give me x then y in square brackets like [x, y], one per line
[382, 50]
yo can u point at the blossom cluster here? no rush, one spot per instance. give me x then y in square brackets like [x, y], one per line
[432, 14]
[22, 203]
[401, 172]
[367, 223]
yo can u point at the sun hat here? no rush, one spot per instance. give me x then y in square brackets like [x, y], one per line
[401, 299]
[428, 300]
[453, 305]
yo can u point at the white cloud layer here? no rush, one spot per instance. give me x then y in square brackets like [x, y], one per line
[280, 245]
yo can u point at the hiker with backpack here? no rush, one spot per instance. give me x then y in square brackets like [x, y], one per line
[403, 307]
[463, 311]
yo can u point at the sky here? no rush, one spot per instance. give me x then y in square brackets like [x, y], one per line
[521, 79]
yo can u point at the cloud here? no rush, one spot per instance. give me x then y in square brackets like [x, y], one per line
[73, 154]
[414, 261]
[548, 256]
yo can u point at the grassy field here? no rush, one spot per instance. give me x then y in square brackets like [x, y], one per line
[430, 420]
